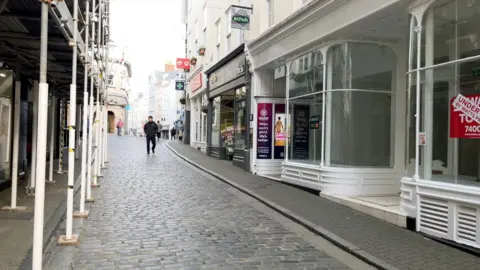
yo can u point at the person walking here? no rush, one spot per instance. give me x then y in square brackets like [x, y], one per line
[159, 131]
[119, 127]
[150, 129]
[173, 132]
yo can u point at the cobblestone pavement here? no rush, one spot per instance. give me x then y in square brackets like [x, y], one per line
[156, 212]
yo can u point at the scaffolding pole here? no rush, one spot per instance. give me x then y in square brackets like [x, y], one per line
[69, 238]
[82, 213]
[99, 87]
[37, 252]
[52, 138]
[33, 170]
[94, 123]
[107, 72]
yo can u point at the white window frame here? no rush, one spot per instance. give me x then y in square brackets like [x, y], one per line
[196, 30]
[205, 16]
[219, 31]
[228, 21]
[270, 12]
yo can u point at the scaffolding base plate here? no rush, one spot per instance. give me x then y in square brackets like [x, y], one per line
[79, 214]
[63, 241]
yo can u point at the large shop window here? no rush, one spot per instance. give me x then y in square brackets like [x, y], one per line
[451, 149]
[359, 129]
[6, 107]
[305, 108]
[223, 121]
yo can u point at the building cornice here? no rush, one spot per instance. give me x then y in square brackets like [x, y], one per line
[300, 18]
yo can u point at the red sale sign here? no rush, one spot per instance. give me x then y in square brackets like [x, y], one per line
[465, 116]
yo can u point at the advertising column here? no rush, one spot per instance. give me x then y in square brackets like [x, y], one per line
[264, 131]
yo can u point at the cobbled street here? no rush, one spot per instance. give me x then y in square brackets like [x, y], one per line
[157, 212]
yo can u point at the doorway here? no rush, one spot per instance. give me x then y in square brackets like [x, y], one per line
[111, 122]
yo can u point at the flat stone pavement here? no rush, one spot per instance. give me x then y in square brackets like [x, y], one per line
[16, 229]
[158, 212]
[389, 244]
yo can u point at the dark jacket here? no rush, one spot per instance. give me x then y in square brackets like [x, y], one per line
[150, 129]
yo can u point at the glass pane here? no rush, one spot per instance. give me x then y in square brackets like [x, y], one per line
[6, 107]
[306, 76]
[362, 66]
[226, 121]
[216, 122]
[240, 125]
[360, 137]
[305, 140]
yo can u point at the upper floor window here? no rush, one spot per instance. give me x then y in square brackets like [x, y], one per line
[205, 16]
[218, 32]
[196, 30]
[228, 20]
[270, 14]
[110, 80]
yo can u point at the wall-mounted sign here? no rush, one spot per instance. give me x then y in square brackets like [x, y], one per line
[465, 116]
[230, 71]
[422, 138]
[314, 122]
[280, 132]
[264, 130]
[279, 72]
[183, 63]
[240, 17]
[300, 131]
[179, 85]
[196, 82]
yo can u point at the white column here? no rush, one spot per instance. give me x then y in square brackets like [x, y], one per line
[100, 143]
[33, 171]
[428, 100]
[77, 129]
[61, 135]
[52, 139]
[105, 138]
[16, 138]
[90, 148]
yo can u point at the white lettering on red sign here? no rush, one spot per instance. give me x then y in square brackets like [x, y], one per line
[469, 109]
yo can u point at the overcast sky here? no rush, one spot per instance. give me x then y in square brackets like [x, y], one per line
[151, 33]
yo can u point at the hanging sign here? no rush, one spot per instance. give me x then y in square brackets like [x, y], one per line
[240, 17]
[183, 63]
[264, 130]
[179, 85]
[465, 116]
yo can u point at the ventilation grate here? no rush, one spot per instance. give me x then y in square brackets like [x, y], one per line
[467, 224]
[434, 215]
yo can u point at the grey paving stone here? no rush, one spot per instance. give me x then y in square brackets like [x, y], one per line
[154, 212]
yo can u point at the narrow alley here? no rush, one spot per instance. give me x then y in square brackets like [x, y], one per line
[157, 212]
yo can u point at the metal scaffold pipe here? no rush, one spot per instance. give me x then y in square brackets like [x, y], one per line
[82, 212]
[69, 238]
[107, 67]
[33, 170]
[41, 144]
[92, 84]
[52, 138]
[99, 88]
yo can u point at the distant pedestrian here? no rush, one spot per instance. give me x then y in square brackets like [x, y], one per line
[150, 129]
[119, 127]
[159, 132]
[173, 132]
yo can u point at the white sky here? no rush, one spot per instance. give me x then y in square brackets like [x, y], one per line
[151, 33]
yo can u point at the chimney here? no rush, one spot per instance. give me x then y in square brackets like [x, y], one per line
[169, 67]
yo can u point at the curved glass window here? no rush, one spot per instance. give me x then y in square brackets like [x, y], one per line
[451, 152]
[361, 102]
[305, 108]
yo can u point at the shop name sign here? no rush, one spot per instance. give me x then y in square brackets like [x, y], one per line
[240, 17]
[196, 82]
[232, 70]
[465, 116]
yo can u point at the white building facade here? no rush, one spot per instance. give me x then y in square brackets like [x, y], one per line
[119, 91]
[374, 105]
[209, 39]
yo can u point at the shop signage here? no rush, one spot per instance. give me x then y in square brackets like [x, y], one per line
[183, 63]
[230, 71]
[465, 116]
[196, 82]
[179, 85]
[240, 17]
[279, 72]
[280, 132]
[264, 131]
[300, 131]
[315, 122]
[422, 138]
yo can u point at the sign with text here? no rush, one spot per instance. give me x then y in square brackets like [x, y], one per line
[280, 132]
[240, 17]
[422, 138]
[465, 116]
[315, 122]
[264, 131]
[301, 115]
[196, 82]
[183, 63]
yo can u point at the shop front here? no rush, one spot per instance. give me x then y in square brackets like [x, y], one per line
[6, 120]
[228, 109]
[198, 107]
[441, 188]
